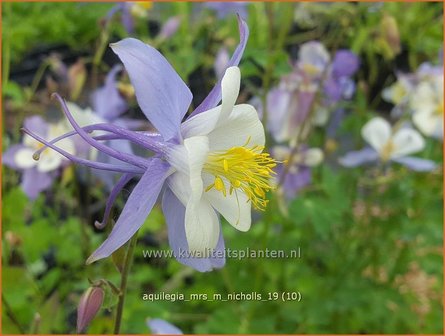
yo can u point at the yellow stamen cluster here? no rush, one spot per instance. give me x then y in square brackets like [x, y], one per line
[247, 169]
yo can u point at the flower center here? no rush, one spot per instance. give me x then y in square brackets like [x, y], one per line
[246, 169]
[386, 151]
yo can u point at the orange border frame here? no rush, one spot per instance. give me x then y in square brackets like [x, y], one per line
[109, 1]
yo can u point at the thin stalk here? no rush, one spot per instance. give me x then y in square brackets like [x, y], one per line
[37, 79]
[123, 286]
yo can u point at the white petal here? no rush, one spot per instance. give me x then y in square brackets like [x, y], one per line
[377, 132]
[197, 149]
[202, 123]
[313, 157]
[406, 141]
[428, 123]
[23, 158]
[49, 161]
[230, 86]
[243, 124]
[31, 142]
[424, 97]
[67, 145]
[188, 160]
[235, 208]
[201, 226]
[180, 185]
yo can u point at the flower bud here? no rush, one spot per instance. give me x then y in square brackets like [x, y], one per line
[390, 32]
[89, 305]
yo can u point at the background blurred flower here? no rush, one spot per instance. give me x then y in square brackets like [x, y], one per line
[38, 175]
[427, 104]
[295, 173]
[339, 83]
[313, 59]
[389, 145]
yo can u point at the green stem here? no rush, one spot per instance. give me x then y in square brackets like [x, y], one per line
[37, 78]
[6, 47]
[123, 286]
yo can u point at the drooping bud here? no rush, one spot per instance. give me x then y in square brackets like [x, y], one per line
[77, 75]
[170, 27]
[391, 35]
[89, 305]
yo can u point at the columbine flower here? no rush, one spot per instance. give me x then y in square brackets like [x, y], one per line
[398, 93]
[212, 161]
[295, 174]
[38, 175]
[389, 144]
[161, 327]
[313, 59]
[427, 102]
[339, 84]
[290, 102]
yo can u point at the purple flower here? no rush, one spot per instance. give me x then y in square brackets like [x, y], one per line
[212, 161]
[223, 9]
[109, 105]
[161, 327]
[339, 84]
[345, 63]
[37, 175]
[291, 101]
[295, 174]
[287, 111]
[107, 101]
[389, 145]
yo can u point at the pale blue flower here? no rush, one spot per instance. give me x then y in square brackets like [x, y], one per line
[212, 161]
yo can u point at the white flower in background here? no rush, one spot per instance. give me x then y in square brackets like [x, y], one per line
[49, 159]
[399, 92]
[313, 58]
[427, 106]
[38, 176]
[84, 117]
[389, 144]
